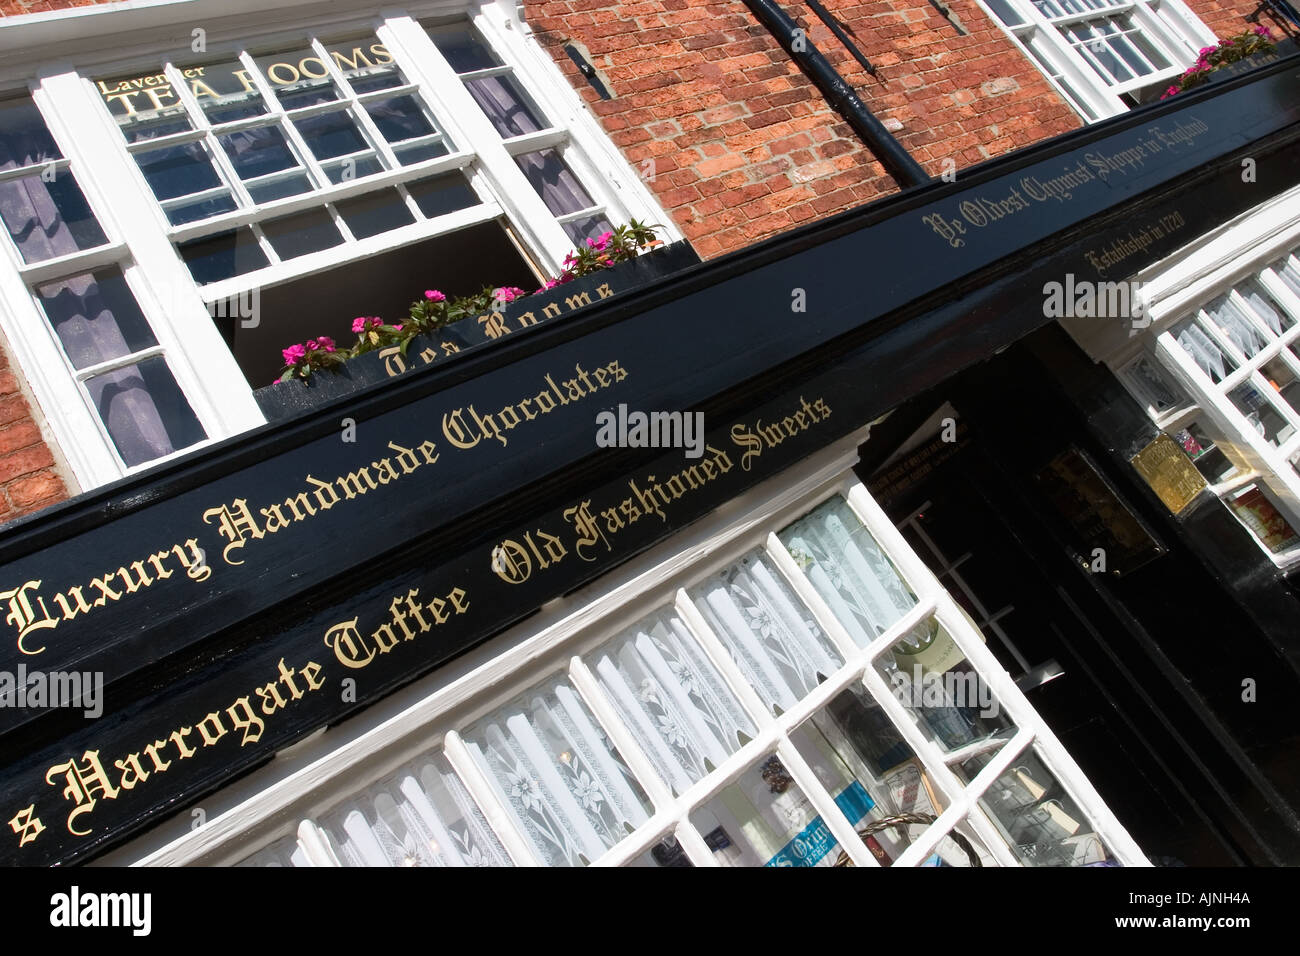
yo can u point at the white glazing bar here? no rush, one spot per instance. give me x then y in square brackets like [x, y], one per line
[275, 110]
[824, 802]
[314, 845]
[200, 120]
[693, 844]
[721, 658]
[661, 797]
[484, 796]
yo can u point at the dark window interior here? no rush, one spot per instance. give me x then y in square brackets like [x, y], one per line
[385, 285]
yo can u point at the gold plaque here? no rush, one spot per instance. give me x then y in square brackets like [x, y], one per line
[1170, 473]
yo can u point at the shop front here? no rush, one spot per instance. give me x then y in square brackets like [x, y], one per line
[446, 620]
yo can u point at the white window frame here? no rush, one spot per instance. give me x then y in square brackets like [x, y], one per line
[1178, 287]
[178, 310]
[1169, 25]
[280, 801]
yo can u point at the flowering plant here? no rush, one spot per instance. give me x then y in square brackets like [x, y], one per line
[1229, 50]
[435, 309]
[302, 359]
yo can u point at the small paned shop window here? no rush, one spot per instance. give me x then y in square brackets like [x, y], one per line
[814, 698]
[1229, 395]
[80, 282]
[1105, 56]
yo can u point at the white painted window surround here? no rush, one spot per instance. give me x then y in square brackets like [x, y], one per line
[1230, 297]
[54, 58]
[1103, 55]
[294, 810]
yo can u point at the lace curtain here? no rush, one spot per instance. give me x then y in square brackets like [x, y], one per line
[420, 816]
[560, 777]
[848, 569]
[664, 687]
[770, 633]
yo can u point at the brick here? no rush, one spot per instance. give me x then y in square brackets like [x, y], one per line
[25, 461]
[41, 489]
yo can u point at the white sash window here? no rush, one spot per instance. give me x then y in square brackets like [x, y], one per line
[1105, 56]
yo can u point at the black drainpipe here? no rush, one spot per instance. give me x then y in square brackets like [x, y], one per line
[896, 160]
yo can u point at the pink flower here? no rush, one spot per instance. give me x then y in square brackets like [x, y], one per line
[326, 343]
[508, 293]
[294, 354]
[397, 327]
[1205, 51]
[1171, 91]
[1263, 31]
[599, 243]
[433, 295]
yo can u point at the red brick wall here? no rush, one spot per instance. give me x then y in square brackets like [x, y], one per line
[12, 8]
[744, 146]
[29, 476]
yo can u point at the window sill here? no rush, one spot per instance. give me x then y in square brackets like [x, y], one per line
[284, 400]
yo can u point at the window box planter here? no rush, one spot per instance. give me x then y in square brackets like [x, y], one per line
[284, 400]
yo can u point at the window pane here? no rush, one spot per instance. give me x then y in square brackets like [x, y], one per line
[848, 569]
[354, 167]
[667, 852]
[1236, 325]
[1272, 316]
[225, 92]
[305, 232]
[765, 819]
[1005, 12]
[366, 64]
[24, 140]
[144, 105]
[224, 255]
[258, 151]
[588, 227]
[931, 677]
[554, 181]
[506, 105]
[178, 170]
[419, 152]
[399, 118]
[1039, 819]
[422, 815]
[1254, 509]
[145, 411]
[46, 219]
[298, 77]
[374, 213]
[559, 776]
[660, 681]
[331, 134]
[1203, 350]
[463, 48]
[278, 188]
[440, 195]
[180, 213]
[770, 633]
[1261, 413]
[95, 317]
